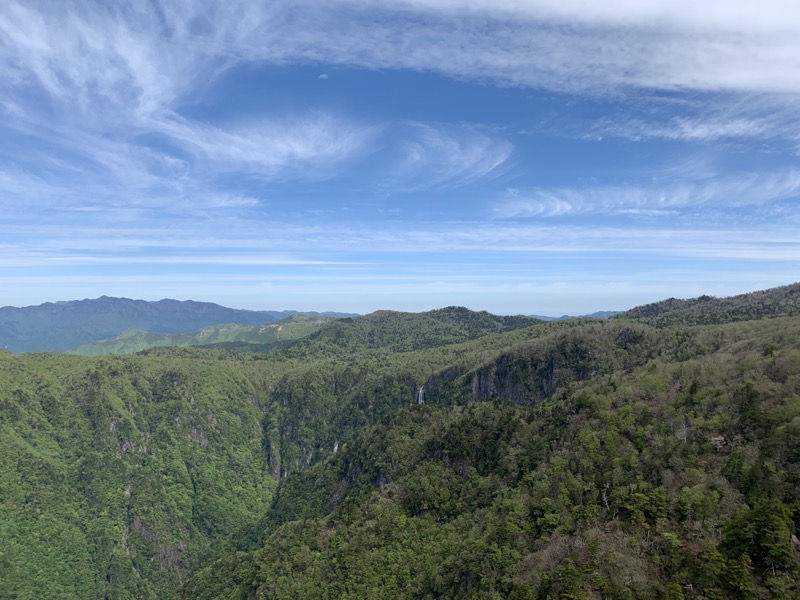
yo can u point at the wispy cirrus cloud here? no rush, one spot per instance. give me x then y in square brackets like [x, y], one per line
[250, 243]
[93, 64]
[91, 90]
[310, 144]
[162, 50]
[112, 154]
[707, 120]
[448, 155]
[688, 129]
[574, 47]
[95, 91]
[706, 46]
[651, 198]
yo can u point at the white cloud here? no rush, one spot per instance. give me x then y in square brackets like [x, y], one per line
[272, 148]
[148, 55]
[599, 47]
[440, 154]
[724, 119]
[123, 71]
[507, 245]
[695, 129]
[652, 198]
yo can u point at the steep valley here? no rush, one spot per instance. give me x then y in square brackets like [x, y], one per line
[448, 454]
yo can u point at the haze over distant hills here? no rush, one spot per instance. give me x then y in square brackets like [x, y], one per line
[232, 336]
[109, 325]
[121, 325]
[58, 326]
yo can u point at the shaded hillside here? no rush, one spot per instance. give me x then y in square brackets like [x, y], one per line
[323, 402]
[775, 302]
[676, 479]
[261, 338]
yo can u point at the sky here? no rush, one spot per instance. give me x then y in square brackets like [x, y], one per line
[521, 157]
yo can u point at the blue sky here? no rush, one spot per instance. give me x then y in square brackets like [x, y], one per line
[506, 155]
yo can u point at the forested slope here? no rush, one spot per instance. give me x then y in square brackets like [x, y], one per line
[782, 301]
[677, 478]
[392, 331]
[446, 454]
[117, 476]
[121, 475]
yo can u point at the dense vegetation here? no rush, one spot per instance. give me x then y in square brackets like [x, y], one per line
[678, 478]
[120, 475]
[448, 454]
[392, 332]
[117, 476]
[777, 302]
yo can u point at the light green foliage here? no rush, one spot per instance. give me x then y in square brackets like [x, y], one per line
[119, 475]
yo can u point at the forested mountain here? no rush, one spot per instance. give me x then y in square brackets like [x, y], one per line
[673, 472]
[391, 331]
[256, 338]
[775, 302]
[448, 454]
[58, 326]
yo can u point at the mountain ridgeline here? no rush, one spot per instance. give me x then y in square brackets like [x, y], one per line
[60, 326]
[776, 302]
[447, 454]
[253, 338]
[392, 331]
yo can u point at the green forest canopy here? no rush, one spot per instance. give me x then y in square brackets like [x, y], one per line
[630, 459]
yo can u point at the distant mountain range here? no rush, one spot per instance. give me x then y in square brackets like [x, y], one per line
[109, 325]
[257, 338]
[59, 326]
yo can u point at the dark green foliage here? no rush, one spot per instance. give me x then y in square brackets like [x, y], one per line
[762, 532]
